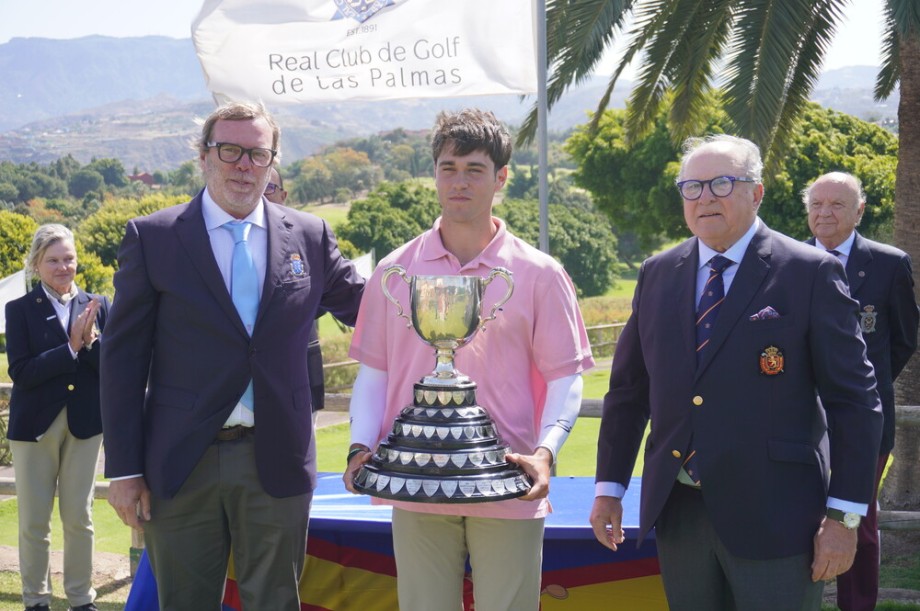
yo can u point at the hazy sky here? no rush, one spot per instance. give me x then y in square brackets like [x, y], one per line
[857, 42]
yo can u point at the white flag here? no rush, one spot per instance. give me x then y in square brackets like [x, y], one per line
[293, 51]
[12, 287]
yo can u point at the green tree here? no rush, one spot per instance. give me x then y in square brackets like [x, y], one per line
[112, 170]
[390, 216]
[93, 275]
[580, 239]
[16, 231]
[101, 233]
[633, 181]
[85, 181]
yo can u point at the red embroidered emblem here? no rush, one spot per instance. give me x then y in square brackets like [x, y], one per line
[772, 361]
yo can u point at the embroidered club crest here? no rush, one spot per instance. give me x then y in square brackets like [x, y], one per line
[867, 319]
[296, 265]
[772, 361]
[360, 10]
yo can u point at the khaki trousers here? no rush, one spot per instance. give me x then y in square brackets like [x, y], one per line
[57, 462]
[506, 560]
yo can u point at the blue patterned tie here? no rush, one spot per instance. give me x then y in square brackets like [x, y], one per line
[707, 312]
[244, 285]
[710, 302]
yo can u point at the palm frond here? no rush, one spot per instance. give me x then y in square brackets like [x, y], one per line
[577, 33]
[890, 73]
[770, 37]
[694, 63]
[804, 75]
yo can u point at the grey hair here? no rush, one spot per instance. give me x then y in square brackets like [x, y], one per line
[806, 192]
[753, 162]
[238, 111]
[45, 237]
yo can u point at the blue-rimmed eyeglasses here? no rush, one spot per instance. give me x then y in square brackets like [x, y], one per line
[271, 188]
[231, 153]
[720, 186]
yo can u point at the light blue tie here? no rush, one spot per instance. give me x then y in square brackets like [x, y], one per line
[244, 285]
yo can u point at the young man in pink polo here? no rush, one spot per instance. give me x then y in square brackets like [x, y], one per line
[527, 364]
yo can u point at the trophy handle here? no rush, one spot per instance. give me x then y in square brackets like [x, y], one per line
[401, 271]
[506, 276]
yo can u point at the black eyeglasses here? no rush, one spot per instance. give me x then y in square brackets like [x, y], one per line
[271, 188]
[231, 153]
[720, 186]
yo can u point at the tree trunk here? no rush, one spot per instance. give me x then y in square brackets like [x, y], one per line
[902, 486]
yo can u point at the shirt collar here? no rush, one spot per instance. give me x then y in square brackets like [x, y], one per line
[735, 252]
[215, 216]
[844, 247]
[433, 248]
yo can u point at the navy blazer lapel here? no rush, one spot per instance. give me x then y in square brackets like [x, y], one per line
[46, 311]
[193, 236]
[279, 235]
[686, 269]
[859, 264]
[753, 269]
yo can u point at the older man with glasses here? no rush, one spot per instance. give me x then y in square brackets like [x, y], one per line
[733, 335]
[205, 387]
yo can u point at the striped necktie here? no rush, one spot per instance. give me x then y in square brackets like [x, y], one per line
[710, 302]
[707, 312]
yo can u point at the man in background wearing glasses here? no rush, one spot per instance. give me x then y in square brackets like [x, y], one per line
[205, 386]
[733, 335]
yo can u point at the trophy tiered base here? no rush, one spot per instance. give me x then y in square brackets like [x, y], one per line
[443, 449]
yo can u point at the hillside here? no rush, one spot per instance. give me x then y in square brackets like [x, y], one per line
[137, 99]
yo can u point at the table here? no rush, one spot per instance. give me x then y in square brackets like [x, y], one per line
[350, 564]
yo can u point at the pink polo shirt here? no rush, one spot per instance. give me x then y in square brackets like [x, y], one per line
[536, 337]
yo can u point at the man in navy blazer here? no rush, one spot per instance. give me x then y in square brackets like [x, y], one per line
[209, 436]
[881, 280]
[747, 497]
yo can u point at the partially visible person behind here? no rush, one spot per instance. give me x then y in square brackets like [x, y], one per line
[55, 429]
[275, 193]
[527, 365]
[206, 398]
[880, 278]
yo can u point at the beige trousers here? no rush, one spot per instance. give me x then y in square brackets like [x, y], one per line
[57, 462]
[506, 560]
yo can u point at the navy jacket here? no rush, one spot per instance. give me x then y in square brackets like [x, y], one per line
[177, 358]
[751, 405]
[46, 378]
[881, 280]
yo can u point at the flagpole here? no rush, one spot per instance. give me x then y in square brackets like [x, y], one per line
[543, 158]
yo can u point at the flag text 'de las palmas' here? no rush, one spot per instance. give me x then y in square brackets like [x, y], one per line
[279, 51]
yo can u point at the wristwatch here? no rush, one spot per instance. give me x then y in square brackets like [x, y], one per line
[848, 519]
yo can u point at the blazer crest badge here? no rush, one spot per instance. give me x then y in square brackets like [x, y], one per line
[867, 319]
[296, 265]
[772, 361]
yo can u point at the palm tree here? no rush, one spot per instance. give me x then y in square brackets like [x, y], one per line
[765, 56]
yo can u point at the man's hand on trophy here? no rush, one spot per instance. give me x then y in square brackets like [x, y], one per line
[358, 455]
[537, 467]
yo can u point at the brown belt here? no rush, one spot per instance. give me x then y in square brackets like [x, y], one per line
[232, 433]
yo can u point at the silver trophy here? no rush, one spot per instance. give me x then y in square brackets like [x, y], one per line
[444, 448]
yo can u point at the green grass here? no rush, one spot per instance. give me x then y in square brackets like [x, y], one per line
[4, 368]
[334, 215]
[110, 596]
[111, 535]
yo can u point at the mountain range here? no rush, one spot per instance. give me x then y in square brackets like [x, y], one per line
[138, 99]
